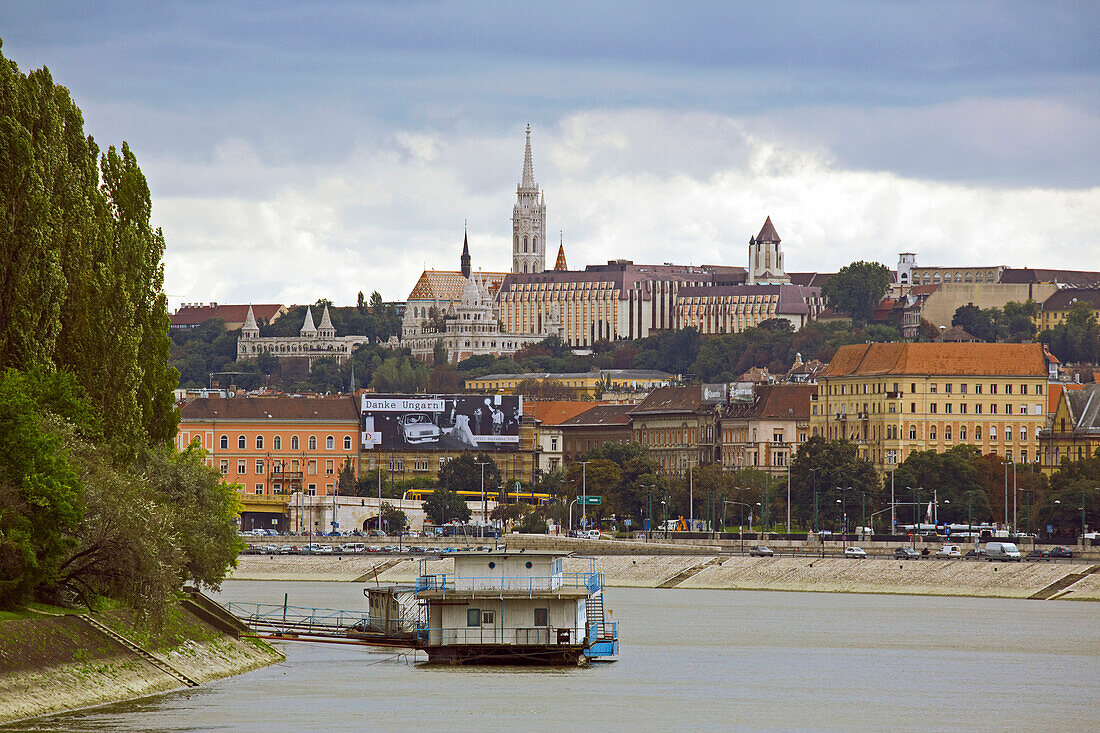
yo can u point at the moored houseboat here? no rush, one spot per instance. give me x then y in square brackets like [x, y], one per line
[513, 607]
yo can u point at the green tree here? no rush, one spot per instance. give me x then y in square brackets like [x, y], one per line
[439, 352]
[533, 523]
[857, 289]
[400, 373]
[465, 474]
[41, 497]
[346, 480]
[826, 468]
[393, 519]
[978, 322]
[951, 477]
[80, 271]
[445, 505]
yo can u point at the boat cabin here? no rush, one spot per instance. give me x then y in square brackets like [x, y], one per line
[514, 607]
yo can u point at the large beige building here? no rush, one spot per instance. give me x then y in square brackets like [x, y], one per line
[894, 399]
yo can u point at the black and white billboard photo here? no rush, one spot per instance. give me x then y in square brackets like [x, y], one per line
[440, 422]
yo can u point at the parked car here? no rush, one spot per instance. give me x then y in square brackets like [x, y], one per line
[1003, 551]
[760, 551]
[905, 552]
[855, 552]
[1062, 552]
[1038, 555]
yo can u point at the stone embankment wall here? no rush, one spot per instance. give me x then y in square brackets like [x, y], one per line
[716, 571]
[56, 664]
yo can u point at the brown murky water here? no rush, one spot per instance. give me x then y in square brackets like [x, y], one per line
[690, 660]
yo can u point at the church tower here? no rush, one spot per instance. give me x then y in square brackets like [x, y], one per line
[528, 220]
[765, 257]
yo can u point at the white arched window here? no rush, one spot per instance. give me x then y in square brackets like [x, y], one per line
[277, 443]
[259, 442]
[313, 442]
[294, 442]
[240, 442]
[330, 443]
[225, 442]
[347, 442]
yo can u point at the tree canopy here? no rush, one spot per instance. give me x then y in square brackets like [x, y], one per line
[857, 289]
[94, 500]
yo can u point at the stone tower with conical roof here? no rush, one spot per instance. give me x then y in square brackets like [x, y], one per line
[308, 329]
[765, 257]
[250, 330]
[326, 330]
[528, 220]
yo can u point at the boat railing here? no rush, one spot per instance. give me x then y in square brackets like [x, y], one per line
[449, 582]
[492, 634]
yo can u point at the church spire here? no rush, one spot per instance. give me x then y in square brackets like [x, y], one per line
[560, 264]
[465, 259]
[528, 180]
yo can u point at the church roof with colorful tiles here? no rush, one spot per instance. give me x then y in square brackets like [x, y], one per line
[448, 285]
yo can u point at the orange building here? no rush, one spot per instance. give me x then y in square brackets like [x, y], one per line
[273, 447]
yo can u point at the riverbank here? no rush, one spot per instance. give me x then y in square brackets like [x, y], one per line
[725, 572]
[53, 664]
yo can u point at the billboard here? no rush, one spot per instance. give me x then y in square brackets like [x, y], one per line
[440, 422]
[714, 394]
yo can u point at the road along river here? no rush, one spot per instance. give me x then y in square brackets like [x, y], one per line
[691, 660]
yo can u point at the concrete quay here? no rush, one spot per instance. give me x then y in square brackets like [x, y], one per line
[714, 570]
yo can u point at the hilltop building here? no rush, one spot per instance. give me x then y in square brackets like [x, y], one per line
[466, 326]
[622, 300]
[192, 315]
[311, 343]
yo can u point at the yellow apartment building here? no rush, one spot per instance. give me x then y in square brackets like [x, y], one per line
[1056, 308]
[585, 385]
[894, 399]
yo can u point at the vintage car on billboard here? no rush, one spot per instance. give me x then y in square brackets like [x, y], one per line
[442, 422]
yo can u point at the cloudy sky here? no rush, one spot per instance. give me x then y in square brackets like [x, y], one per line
[299, 150]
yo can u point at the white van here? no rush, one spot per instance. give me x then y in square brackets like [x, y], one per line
[1004, 551]
[949, 551]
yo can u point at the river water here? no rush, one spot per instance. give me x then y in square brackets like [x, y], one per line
[690, 660]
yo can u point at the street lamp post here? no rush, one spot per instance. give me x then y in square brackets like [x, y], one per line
[814, 472]
[584, 493]
[483, 504]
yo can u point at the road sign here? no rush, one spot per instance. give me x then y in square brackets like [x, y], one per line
[589, 500]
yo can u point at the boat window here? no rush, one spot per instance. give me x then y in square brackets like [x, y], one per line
[542, 617]
[492, 565]
[488, 618]
[528, 563]
[473, 617]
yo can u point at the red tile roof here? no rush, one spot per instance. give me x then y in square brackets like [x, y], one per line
[1010, 360]
[271, 408]
[601, 415]
[555, 412]
[193, 315]
[671, 399]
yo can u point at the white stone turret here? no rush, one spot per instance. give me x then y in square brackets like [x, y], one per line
[308, 329]
[250, 330]
[326, 329]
